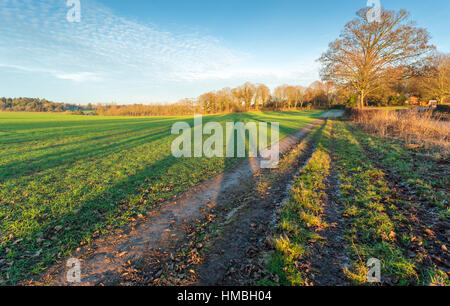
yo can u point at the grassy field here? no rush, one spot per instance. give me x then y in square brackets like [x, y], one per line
[393, 206]
[300, 216]
[66, 179]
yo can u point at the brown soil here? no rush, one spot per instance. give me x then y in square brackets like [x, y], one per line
[177, 244]
[234, 256]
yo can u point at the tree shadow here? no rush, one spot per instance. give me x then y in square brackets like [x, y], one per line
[68, 157]
[113, 206]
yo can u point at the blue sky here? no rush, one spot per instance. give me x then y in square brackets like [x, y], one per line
[164, 50]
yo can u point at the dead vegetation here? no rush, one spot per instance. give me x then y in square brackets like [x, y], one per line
[423, 128]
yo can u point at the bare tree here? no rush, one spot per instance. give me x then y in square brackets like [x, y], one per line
[225, 99]
[366, 49]
[280, 96]
[208, 102]
[436, 80]
[298, 96]
[246, 93]
[290, 96]
[293, 95]
[262, 96]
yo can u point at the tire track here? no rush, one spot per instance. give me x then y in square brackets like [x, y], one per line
[135, 256]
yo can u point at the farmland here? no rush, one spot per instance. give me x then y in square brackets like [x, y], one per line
[65, 180]
[362, 197]
[228, 144]
[97, 187]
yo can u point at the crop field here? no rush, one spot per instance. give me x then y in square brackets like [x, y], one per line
[65, 180]
[156, 144]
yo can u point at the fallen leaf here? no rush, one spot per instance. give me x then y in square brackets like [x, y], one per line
[392, 235]
[429, 232]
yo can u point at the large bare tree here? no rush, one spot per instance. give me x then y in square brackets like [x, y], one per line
[366, 48]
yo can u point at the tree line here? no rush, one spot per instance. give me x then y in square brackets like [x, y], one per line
[35, 105]
[247, 97]
[244, 98]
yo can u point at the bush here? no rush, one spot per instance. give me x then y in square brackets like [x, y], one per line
[397, 100]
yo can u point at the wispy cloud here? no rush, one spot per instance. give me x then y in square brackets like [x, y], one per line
[113, 57]
[102, 44]
[77, 77]
[80, 77]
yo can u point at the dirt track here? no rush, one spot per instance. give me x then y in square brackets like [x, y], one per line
[148, 254]
[235, 255]
[327, 259]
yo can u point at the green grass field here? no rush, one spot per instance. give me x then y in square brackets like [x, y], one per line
[376, 212]
[67, 179]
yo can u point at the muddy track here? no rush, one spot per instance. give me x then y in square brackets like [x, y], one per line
[234, 256]
[237, 254]
[146, 253]
[327, 259]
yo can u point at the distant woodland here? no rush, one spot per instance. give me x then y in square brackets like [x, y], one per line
[35, 105]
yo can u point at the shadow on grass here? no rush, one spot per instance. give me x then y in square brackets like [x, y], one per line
[114, 206]
[68, 157]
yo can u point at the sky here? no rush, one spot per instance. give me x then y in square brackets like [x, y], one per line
[147, 51]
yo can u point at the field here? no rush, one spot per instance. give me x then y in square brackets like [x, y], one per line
[156, 144]
[65, 180]
[343, 193]
[363, 197]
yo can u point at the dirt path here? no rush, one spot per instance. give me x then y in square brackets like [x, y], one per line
[327, 261]
[142, 254]
[234, 255]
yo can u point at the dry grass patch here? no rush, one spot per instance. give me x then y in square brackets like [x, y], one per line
[415, 127]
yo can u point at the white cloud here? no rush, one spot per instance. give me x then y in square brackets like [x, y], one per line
[77, 77]
[124, 56]
[80, 77]
[115, 47]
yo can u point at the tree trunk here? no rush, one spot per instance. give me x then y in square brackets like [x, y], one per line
[361, 100]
